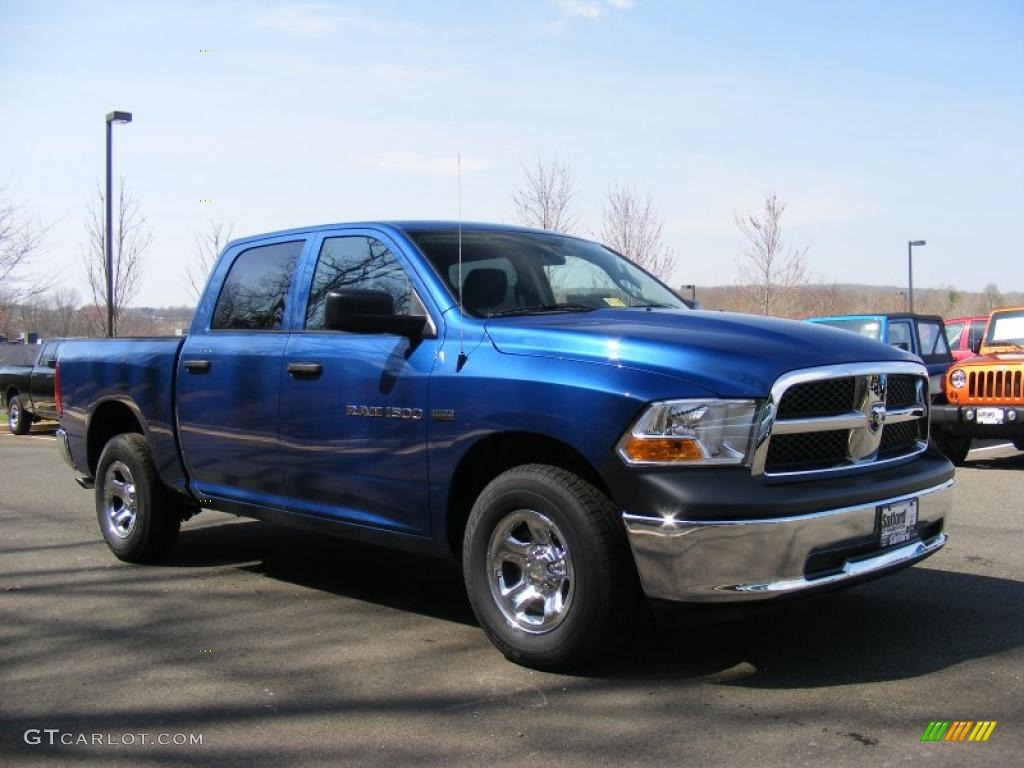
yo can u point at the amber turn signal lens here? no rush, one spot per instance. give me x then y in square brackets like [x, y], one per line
[660, 449]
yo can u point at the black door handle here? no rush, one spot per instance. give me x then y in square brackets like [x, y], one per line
[306, 370]
[197, 366]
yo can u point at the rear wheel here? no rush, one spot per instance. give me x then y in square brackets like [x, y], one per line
[19, 421]
[547, 568]
[953, 447]
[138, 518]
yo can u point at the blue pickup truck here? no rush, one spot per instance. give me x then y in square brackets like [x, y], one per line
[529, 403]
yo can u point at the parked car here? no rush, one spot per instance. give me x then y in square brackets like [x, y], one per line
[986, 393]
[27, 391]
[924, 335]
[529, 403]
[964, 335]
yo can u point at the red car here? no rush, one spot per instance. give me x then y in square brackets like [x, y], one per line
[964, 335]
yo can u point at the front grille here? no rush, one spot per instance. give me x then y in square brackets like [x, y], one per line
[818, 398]
[901, 391]
[898, 439]
[828, 423]
[995, 385]
[806, 451]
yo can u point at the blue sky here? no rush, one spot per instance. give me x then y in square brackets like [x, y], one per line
[876, 121]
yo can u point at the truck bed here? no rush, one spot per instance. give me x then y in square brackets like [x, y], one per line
[138, 372]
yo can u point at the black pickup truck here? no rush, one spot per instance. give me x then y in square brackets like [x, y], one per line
[27, 391]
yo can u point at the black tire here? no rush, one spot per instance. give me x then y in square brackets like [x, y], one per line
[953, 447]
[149, 533]
[19, 421]
[1019, 444]
[603, 599]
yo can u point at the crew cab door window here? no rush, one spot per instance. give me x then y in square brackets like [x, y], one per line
[254, 296]
[364, 263]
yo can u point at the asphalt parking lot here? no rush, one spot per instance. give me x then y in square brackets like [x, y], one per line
[278, 647]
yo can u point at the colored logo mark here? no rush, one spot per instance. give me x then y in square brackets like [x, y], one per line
[958, 730]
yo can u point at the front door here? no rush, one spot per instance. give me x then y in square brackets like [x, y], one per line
[354, 406]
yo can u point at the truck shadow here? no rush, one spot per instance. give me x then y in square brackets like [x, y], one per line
[908, 624]
[1002, 462]
[911, 623]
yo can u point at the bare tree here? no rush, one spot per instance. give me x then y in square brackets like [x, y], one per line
[208, 245]
[132, 238]
[631, 225]
[65, 319]
[21, 240]
[767, 263]
[547, 195]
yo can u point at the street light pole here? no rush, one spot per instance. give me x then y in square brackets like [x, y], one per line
[108, 246]
[910, 272]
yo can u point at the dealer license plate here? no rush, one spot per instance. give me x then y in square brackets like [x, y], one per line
[898, 522]
[990, 415]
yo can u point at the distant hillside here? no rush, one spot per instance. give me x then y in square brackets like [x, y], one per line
[844, 298]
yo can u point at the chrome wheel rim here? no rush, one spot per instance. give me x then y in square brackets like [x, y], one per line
[530, 571]
[12, 415]
[119, 501]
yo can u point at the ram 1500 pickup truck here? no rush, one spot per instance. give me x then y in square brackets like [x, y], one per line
[27, 391]
[531, 403]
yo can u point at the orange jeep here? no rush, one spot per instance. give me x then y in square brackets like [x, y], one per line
[985, 394]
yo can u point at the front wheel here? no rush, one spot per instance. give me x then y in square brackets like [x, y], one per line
[137, 517]
[19, 421]
[1019, 444]
[547, 568]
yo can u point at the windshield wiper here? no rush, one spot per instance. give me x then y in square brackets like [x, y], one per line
[653, 305]
[561, 307]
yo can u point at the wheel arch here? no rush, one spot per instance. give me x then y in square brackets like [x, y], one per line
[110, 418]
[494, 454]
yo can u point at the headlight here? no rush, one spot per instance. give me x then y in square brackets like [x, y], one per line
[958, 379]
[691, 432]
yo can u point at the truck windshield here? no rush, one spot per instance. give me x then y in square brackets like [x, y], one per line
[507, 273]
[1006, 329]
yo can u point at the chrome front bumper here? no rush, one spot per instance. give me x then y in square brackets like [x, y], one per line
[718, 561]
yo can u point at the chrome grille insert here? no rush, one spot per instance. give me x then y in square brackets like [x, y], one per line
[840, 417]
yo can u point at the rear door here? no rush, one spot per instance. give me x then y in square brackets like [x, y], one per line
[41, 382]
[229, 376]
[354, 406]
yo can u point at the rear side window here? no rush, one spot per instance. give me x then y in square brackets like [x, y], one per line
[48, 354]
[362, 263]
[932, 339]
[953, 333]
[255, 291]
[977, 332]
[899, 336]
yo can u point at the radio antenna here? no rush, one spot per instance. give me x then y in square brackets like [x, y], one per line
[462, 315]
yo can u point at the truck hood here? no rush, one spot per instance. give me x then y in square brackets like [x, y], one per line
[731, 355]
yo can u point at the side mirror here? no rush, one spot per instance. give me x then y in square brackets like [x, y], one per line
[900, 345]
[976, 346]
[365, 311]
